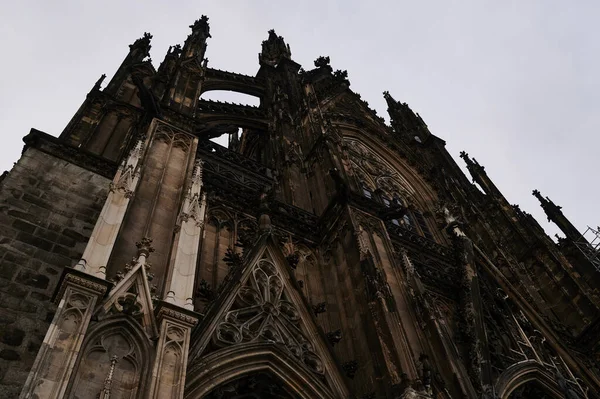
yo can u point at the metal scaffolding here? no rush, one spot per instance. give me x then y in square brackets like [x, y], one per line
[589, 245]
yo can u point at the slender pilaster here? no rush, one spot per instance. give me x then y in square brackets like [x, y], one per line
[53, 366]
[169, 371]
[187, 241]
[99, 247]
[469, 301]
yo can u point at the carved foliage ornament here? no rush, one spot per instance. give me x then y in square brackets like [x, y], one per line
[263, 312]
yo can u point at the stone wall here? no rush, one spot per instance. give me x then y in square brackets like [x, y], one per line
[48, 208]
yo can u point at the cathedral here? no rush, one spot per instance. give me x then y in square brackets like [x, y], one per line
[321, 254]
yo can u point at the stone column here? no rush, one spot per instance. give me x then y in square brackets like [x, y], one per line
[175, 316]
[99, 247]
[78, 294]
[180, 282]
[169, 371]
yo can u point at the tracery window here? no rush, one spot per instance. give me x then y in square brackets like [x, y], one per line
[112, 361]
[380, 182]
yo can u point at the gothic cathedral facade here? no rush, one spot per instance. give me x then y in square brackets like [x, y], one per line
[321, 254]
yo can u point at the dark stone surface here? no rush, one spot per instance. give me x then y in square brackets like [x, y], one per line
[34, 280]
[9, 354]
[11, 335]
[47, 212]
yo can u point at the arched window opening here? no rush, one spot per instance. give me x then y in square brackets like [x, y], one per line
[424, 229]
[261, 385]
[381, 182]
[412, 220]
[113, 358]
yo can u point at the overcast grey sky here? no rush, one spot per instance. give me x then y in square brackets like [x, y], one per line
[513, 83]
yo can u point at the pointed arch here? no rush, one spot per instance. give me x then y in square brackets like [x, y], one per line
[264, 306]
[234, 362]
[119, 337]
[523, 373]
[395, 179]
[407, 177]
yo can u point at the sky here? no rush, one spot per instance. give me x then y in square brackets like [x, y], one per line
[513, 83]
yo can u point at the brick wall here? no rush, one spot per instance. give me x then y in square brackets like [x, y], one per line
[48, 208]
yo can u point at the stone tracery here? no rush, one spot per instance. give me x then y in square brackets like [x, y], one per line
[263, 312]
[376, 173]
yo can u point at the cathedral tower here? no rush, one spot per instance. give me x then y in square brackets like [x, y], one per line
[322, 254]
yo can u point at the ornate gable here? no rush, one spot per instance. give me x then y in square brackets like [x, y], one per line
[264, 306]
[132, 296]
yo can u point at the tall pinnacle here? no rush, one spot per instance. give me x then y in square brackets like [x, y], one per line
[555, 215]
[479, 175]
[142, 45]
[274, 50]
[404, 120]
[195, 44]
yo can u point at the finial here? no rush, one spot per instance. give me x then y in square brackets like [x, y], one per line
[537, 194]
[144, 247]
[391, 102]
[470, 161]
[99, 82]
[274, 50]
[201, 26]
[142, 44]
[322, 62]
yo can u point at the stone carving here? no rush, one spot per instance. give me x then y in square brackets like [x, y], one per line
[322, 62]
[319, 308]
[142, 44]
[233, 259]
[376, 173]
[201, 26]
[194, 202]
[204, 290]
[334, 337]
[263, 312]
[350, 368]
[293, 260]
[274, 50]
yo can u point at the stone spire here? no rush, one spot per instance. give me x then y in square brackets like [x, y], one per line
[556, 216]
[195, 44]
[138, 51]
[479, 175]
[274, 50]
[404, 120]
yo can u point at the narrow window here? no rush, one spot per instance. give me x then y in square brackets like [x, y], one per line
[423, 225]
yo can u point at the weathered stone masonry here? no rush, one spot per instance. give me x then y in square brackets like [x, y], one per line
[48, 207]
[321, 254]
